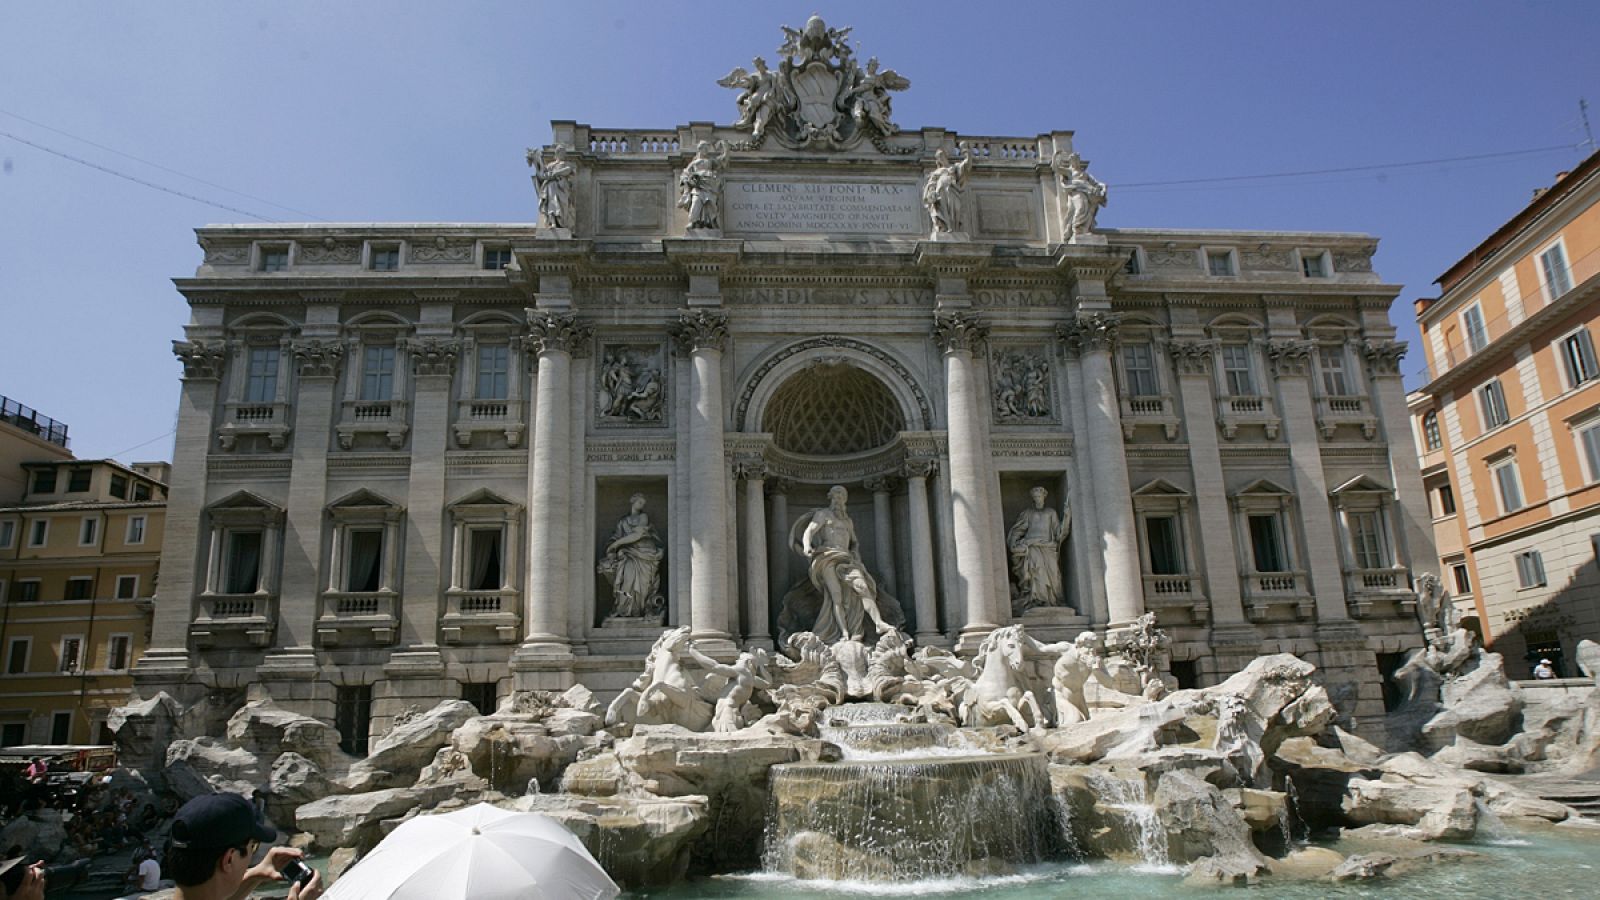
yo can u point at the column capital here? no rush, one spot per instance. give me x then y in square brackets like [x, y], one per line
[1290, 357]
[955, 330]
[1089, 332]
[881, 483]
[1192, 357]
[919, 467]
[777, 485]
[1383, 357]
[552, 331]
[750, 469]
[433, 355]
[317, 358]
[700, 329]
[202, 360]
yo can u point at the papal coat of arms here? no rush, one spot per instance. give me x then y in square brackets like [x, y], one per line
[819, 98]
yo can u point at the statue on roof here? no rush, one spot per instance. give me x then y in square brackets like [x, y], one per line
[1082, 195]
[553, 180]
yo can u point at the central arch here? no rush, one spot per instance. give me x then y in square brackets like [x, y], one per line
[841, 354]
[832, 409]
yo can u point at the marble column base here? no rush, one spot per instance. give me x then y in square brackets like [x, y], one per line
[1053, 623]
[972, 634]
[716, 645]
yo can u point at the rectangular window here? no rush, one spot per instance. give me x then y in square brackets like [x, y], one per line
[1463, 580]
[1166, 553]
[88, 529]
[44, 481]
[1366, 540]
[78, 480]
[1492, 402]
[242, 574]
[61, 727]
[1313, 264]
[13, 734]
[274, 259]
[119, 486]
[17, 655]
[352, 715]
[377, 374]
[141, 492]
[136, 526]
[1577, 353]
[385, 259]
[127, 587]
[483, 560]
[1472, 323]
[1430, 430]
[1335, 380]
[8, 533]
[26, 590]
[117, 652]
[1266, 544]
[496, 258]
[1530, 569]
[1220, 262]
[1139, 362]
[261, 375]
[1236, 370]
[365, 559]
[71, 654]
[494, 372]
[480, 694]
[1505, 479]
[1447, 500]
[38, 532]
[1589, 442]
[79, 588]
[1557, 277]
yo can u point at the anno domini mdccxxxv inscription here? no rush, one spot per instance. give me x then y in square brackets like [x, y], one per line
[832, 207]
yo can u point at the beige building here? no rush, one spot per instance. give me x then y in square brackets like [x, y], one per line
[78, 560]
[26, 435]
[1508, 426]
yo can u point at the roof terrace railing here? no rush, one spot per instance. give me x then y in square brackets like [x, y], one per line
[31, 421]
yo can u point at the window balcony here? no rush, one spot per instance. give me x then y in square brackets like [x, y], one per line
[231, 619]
[389, 418]
[499, 416]
[1177, 592]
[1366, 589]
[1264, 591]
[481, 616]
[1157, 410]
[1234, 412]
[348, 617]
[241, 418]
[1346, 409]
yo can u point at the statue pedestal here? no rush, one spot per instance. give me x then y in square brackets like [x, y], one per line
[1097, 240]
[546, 233]
[950, 237]
[625, 636]
[703, 233]
[1048, 624]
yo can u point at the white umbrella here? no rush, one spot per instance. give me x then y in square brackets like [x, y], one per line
[481, 852]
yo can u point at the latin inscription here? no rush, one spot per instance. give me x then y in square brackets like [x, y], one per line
[824, 208]
[826, 296]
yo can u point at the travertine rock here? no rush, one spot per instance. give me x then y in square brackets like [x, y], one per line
[206, 766]
[640, 841]
[510, 748]
[266, 730]
[1202, 824]
[1363, 868]
[1120, 732]
[293, 782]
[142, 731]
[397, 757]
[1481, 706]
[353, 820]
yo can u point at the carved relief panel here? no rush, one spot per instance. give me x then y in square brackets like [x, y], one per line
[1022, 385]
[630, 385]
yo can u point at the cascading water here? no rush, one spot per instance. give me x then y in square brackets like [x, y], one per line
[1493, 829]
[1130, 799]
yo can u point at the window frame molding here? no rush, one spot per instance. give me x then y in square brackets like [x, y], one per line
[144, 530]
[1160, 498]
[258, 252]
[1545, 291]
[268, 417]
[91, 524]
[1263, 590]
[128, 662]
[500, 612]
[1567, 379]
[392, 417]
[345, 613]
[1536, 559]
[61, 655]
[474, 414]
[1506, 458]
[1483, 408]
[1232, 255]
[1322, 255]
[116, 587]
[27, 655]
[219, 614]
[374, 245]
[44, 537]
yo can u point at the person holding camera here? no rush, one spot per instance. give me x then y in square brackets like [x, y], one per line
[214, 838]
[20, 881]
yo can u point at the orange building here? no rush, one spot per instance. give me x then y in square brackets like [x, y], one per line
[1508, 426]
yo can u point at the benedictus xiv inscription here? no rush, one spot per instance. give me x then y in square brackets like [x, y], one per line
[823, 208]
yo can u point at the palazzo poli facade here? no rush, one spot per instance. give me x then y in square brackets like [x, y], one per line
[423, 461]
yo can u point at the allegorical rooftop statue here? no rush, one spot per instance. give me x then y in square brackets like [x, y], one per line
[554, 183]
[1082, 196]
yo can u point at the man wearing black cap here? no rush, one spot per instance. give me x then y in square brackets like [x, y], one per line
[214, 837]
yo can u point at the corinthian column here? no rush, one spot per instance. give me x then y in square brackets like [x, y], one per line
[883, 531]
[960, 335]
[702, 334]
[754, 473]
[552, 335]
[917, 471]
[1092, 337]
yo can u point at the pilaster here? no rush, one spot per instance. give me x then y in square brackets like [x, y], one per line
[433, 350]
[1194, 362]
[1413, 522]
[702, 333]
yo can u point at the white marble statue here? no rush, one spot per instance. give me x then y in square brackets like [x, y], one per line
[1588, 656]
[1035, 542]
[870, 97]
[1234, 741]
[1000, 695]
[666, 693]
[554, 183]
[632, 563]
[700, 186]
[735, 705]
[941, 193]
[1082, 195]
[849, 593]
[764, 94]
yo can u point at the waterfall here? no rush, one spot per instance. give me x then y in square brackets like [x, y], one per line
[910, 818]
[1493, 829]
[1291, 809]
[1130, 799]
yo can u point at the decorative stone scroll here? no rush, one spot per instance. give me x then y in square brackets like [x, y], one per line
[327, 252]
[1022, 391]
[1383, 357]
[1192, 357]
[318, 359]
[440, 250]
[202, 360]
[700, 329]
[919, 467]
[955, 331]
[1291, 357]
[550, 331]
[629, 386]
[1092, 331]
[434, 356]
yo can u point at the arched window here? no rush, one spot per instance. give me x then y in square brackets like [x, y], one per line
[1430, 430]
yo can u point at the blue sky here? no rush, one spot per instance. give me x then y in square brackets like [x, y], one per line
[412, 111]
